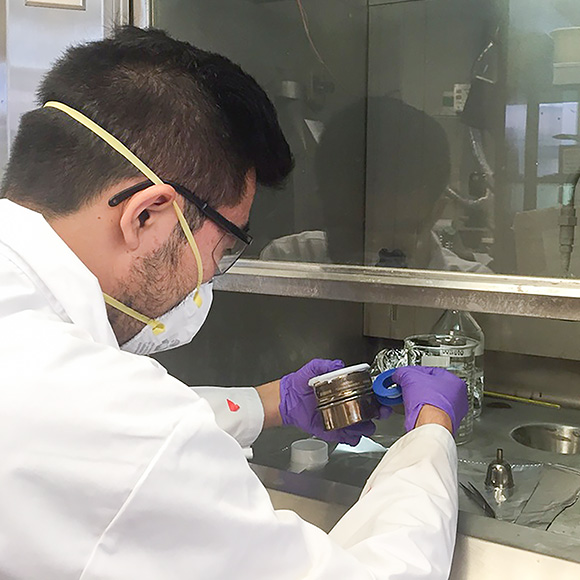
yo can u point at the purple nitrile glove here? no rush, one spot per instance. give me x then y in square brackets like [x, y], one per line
[432, 386]
[298, 405]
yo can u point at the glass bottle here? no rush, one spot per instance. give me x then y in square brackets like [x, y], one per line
[463, 323]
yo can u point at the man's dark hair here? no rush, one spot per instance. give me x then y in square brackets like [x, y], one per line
[193, 116]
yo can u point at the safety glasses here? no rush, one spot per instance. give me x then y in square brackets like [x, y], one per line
[230, 246]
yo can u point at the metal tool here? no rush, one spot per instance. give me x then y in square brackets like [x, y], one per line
[522, 399]
[473, 494]
[499, 478]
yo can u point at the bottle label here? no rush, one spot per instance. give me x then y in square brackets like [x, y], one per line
[428, 360]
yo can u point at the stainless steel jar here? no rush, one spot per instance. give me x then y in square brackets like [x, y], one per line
[345, 396]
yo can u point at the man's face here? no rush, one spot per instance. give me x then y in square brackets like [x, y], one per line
[165, 277]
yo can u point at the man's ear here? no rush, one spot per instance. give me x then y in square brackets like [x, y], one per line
[148, 217]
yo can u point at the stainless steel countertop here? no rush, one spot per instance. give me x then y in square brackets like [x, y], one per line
[491, 430]
[338, 484]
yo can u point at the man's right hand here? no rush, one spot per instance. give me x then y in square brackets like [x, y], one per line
[426, 387]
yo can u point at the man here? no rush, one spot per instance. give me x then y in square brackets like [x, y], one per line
[110, 467]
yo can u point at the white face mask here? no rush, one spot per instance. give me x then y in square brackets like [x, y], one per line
[182, 323]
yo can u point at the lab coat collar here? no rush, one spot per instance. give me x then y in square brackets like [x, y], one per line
[71, 289]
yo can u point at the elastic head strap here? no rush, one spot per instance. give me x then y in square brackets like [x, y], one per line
[156, 326]
[108, 138]
[189, 235]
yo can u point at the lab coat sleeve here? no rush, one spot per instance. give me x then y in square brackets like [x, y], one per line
[198, 511]
[238, 411]
[407, 513]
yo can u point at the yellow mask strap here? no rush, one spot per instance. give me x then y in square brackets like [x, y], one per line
[189, 235]
[156, 326]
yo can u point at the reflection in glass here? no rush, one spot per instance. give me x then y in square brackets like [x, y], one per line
[416, 216]
[495, 158]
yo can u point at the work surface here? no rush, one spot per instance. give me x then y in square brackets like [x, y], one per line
[541, 518]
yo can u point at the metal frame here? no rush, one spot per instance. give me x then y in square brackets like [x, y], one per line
[491, 293]
[141, 14]
[55, 4]
[116, 13]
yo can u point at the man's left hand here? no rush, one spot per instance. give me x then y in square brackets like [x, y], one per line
[298, 405]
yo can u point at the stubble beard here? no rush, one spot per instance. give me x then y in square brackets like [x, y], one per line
[153, 287]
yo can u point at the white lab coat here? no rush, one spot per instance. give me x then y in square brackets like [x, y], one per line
[112, 469]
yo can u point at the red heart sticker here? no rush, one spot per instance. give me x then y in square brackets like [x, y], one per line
[233, 407]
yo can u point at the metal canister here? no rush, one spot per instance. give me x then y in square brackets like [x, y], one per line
[345, 396]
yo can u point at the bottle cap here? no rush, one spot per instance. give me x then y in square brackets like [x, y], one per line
[308, 454]
[386, 390]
